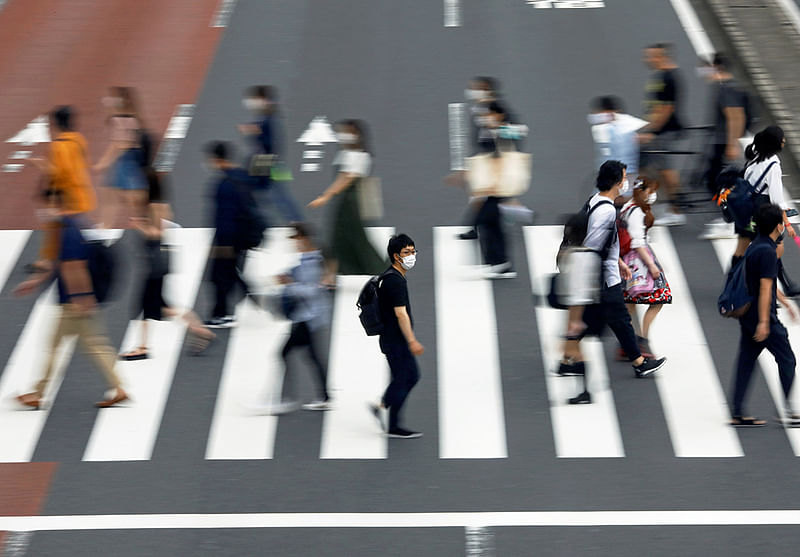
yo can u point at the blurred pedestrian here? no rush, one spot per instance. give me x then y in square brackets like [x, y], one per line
[760, 327]
[397, 340]
[150, 303]
[264, 136]
[124, 158]
[66, 175]
[80, 314]
[238, 225]
[352, 252]
[663, 131]
[648, 284]
[614, 133]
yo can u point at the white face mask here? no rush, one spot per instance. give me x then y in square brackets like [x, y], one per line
[251, 103]
[599, 118]
[346, 138]
[475, 95]
[625, 187]
[652, 198]
[408, 261]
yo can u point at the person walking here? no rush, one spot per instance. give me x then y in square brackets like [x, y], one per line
[760, 327]
[601, 237]
[66, 175]
[352, 252]
[397, 339]
[664, 128]
[648, 284]
[236, 220]
[79, 313]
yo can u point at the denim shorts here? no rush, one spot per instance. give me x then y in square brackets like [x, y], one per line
[127, 172]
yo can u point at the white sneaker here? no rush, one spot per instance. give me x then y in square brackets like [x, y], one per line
[317, 405]
[276, 409]
[671, 219]
[718, 231]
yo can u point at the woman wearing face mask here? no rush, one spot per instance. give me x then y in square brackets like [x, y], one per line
[650, 289]
[351, 249]
[264, 136]
[124, 158]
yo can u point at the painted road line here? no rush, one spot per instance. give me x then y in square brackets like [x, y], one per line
[579, 431]
[223, 14]
[252, 374]
[129, 433]
[13, 242]
[452, 13]
[471, 415]
[458, 135]
[791, 11]
[20, 428]
[567, 4]
[357, 374]
[479, 541]
[16, 542]
[693, 28]
[176, 132]
[709, 517]
[724, 250]
[694, 402]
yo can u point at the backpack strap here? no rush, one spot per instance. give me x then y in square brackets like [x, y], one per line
[763, 175]
[613, 229]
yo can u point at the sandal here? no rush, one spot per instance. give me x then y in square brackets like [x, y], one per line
[747, 421]
[134, 355]
[31, 400]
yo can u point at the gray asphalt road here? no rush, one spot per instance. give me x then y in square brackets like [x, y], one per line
[395, 65]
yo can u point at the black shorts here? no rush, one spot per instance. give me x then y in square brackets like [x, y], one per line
[151, 301]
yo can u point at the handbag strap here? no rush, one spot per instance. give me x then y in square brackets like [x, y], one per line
[763, 175]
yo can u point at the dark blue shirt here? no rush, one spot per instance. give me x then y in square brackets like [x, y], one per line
[761, 262]
[268, 140]
[73, 247]
[230, 204]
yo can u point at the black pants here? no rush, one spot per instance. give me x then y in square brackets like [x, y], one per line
[301, 336]
[226, 273]
[490, 231]
[405, 374]
[611, 311]
[778, 345]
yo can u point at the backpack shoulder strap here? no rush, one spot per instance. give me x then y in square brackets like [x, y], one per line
[596, 205]
[764, 175]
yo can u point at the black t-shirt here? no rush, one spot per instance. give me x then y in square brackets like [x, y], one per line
[728, 95]
[761, 261]
[664, 88]
[392, 293]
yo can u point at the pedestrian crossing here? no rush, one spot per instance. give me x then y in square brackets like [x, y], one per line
[469, 375]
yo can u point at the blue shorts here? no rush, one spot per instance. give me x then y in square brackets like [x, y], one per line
[127, 174]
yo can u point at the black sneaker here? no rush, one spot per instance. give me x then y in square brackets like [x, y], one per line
[574, 368]
[471, 235]
[583, 398]
[400, 433]
[649, 366]
[216, 323]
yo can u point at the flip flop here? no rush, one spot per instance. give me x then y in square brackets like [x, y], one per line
[748, 421]
[132, 357]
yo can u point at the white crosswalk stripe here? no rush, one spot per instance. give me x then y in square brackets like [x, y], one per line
[471, 401]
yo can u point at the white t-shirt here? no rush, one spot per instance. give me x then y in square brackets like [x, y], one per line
[633, 216]
[355, 162]
[602, 223]
[773, 179]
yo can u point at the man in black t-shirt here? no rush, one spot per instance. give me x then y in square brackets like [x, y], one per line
[760, 327]
[663, 130]
[397, 340]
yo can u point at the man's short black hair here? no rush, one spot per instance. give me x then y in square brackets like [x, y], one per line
[666, 48]
[63, 116]
[767, 217]
[610, 175]
[607, 102]
[267, 92]
[219, 150]
[720, 61]
[398, 243]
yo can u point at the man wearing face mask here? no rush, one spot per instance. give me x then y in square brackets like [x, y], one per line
[601, 236]
[397, 340]
[264, 135]
[614, 133]
[760, 327]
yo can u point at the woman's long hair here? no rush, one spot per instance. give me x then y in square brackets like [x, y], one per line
[766, 143]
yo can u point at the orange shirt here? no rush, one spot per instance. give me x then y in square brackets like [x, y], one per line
[69, 163]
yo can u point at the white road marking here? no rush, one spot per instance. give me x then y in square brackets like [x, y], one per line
[13, 242]
[309, 167]
[724, 250]
[16, 542]
[223, 14]
[20, 428]
[314, 154]
[20, 155]
[694, 403]
[567, 4]
[357, 374]
[37, 131]
[452, 13]
[791, 10]
[252, 374]
[694, 29]
[480, 541]
[319, 131]
[458, 135]
[580, 431]
[711, 517]
[471, 416]
[129, 433]
[13, 168]
[177, 129]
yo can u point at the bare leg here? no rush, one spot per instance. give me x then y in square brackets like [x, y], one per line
[672, 181]
[635, 319]
[649, 316]
[741, 246]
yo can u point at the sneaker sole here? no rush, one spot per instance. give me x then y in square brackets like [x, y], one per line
[650, 372]
[557, 374]
[396, 436]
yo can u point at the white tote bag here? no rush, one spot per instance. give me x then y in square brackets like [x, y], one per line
[508, 175]
[370, 198]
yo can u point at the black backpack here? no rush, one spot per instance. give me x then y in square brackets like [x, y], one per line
[368, 306]
[102, 269]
